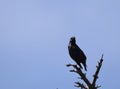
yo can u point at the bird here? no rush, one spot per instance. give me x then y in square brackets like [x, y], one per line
[76, 53]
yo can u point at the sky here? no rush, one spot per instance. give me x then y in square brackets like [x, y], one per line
[34, 37]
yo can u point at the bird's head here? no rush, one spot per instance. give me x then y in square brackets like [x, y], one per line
[72, 40]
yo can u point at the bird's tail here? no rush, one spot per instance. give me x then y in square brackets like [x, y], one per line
[85, 67]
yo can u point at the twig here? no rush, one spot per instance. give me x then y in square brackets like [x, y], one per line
[97, 71]
[79, 71]
[78, 84]
[84, 78]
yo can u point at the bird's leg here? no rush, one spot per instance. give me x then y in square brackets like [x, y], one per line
[80, 66]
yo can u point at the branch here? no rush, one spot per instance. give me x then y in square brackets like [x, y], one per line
[84, 78]
[97, 71]
[78, 84]
[79, 71]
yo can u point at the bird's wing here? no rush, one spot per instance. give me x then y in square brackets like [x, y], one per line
[80, 52]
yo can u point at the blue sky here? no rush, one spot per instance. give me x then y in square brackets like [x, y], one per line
[34, 36]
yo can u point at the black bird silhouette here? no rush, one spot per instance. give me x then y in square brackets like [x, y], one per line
[76, 53]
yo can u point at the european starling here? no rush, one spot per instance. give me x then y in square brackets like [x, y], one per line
[76, 53]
